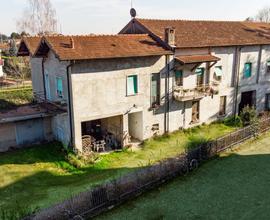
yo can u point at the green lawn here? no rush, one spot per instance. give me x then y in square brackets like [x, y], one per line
[234, 186]
[40, 177]
[11, 98]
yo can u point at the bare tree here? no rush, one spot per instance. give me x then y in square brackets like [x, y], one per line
[38, 18]
[263, 15]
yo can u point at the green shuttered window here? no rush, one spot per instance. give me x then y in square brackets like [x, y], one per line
[247, 70]
[155, 89]
[132, 85]
[59, 86]
[179, 77]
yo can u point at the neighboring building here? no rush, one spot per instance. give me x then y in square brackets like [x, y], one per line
[1, 65]
[156, 76]
[3, 47]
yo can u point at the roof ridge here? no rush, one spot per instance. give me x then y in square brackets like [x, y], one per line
[100, 35]
[195, 20]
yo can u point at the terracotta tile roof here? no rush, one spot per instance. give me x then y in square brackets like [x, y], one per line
[211, 33]
[28, 46]
[103, 46]
[196, 59]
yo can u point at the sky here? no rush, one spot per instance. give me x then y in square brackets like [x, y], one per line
[109, 16]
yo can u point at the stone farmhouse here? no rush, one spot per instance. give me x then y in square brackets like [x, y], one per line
[155, 76]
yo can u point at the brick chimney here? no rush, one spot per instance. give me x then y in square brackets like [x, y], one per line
[170, 36]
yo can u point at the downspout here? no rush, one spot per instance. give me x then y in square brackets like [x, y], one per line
[43, 76]
[259, 64]
[69, 103]
[168, 92]
[237, 71]
[165, 106]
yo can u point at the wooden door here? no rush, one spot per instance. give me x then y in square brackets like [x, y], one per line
[195, 111]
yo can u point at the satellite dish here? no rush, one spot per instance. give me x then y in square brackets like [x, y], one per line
[133, 12]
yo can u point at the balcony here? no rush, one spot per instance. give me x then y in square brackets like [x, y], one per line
[182, 95]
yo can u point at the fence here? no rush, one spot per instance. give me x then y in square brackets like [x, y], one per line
[108, 195]
[6, 84]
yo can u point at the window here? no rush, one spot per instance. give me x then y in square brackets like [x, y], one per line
[59, 87]
[247, 70]
[268, 67]
[267, 102]
[200, 76]
[132, 85]
[222, 105]
[155, 89]
[218, 73]
[179, 77]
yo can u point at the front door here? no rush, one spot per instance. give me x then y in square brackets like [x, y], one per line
[195, 111]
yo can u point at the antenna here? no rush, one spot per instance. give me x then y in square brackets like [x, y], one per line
[133, 12]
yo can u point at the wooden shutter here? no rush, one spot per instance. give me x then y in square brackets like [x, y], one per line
[195, 111]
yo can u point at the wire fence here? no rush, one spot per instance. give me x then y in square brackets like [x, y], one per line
[106, 196]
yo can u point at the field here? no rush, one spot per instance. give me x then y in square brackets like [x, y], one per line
[11, 98]
[42, 176]
[233, 186]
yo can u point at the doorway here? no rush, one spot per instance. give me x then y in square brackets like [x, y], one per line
[247, 99]
[135, 125]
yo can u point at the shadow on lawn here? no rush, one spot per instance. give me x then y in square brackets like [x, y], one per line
[44, 188]
[224, 188]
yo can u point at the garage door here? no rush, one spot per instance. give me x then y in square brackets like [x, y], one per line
[29, 132]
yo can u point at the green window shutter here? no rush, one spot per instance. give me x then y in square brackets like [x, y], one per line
[247, 70]
[178, 73]
[132, 85]
[59, 85]
[135, 81]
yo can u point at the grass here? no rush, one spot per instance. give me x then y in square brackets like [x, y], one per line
[12, 98]
[41, 176]
[234, 186]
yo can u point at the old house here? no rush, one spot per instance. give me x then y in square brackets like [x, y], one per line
[155, 76]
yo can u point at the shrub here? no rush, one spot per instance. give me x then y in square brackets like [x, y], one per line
[80, 161]
[248, 116]
[233, 121]
[196, 141]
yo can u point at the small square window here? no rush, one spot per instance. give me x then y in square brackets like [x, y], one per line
[132, 85]
[247, 70]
